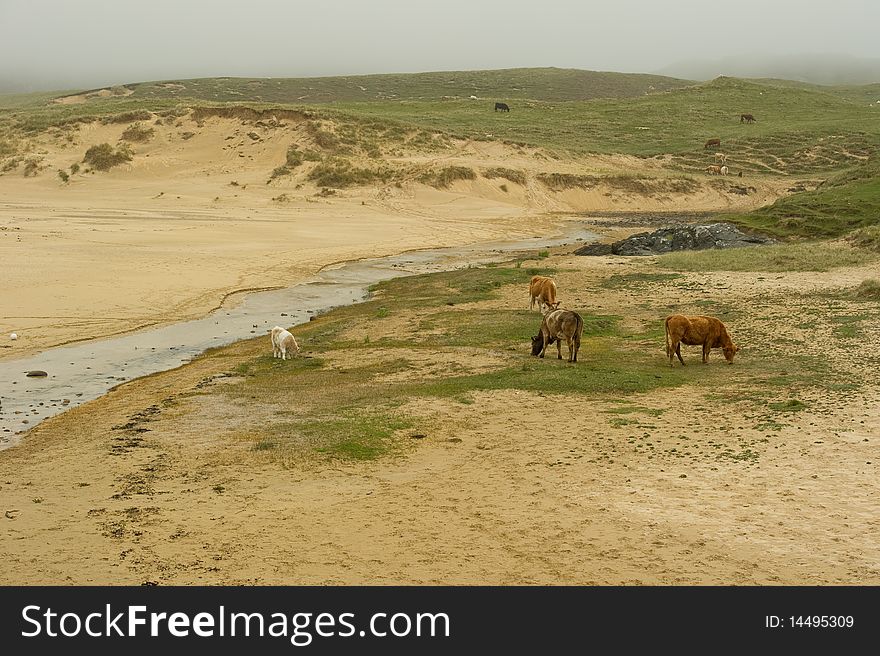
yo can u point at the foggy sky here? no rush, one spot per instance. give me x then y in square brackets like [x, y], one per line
[60, 44]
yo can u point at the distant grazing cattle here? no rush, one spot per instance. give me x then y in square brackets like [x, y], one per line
[724, 170]
[502, 107]
[283, 343]
[713, 169]
[542, 290]
[720, 158]
[556, 326]
[708, 332]
[746, 118]
[711, 143]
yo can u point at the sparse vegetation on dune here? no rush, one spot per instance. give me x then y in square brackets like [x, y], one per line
[137, 133]
[513, 175]
[339, 173]
[103, 157]
[443, 178]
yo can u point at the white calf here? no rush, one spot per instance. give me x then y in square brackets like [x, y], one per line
[724, 170]
[283, 343]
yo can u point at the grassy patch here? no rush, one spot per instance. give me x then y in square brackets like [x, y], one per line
[103, 157]
[137, 133]
[845, 203]
[791, 405]
[357, 436]
[867, 238]
[444, 177]
[339, 173]
[513, 175]
[775, 258]
[868, 290]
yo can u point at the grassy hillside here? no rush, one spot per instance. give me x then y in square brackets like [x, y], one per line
[844, 203]
[801, 129]
[553, 84]
[797, 130]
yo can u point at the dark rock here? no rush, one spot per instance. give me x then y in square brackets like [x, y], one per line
[36, 373]
[594, 249]
[678, 238]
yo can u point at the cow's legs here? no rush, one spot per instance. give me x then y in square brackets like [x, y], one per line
[544, 350]
[706, 349]
[558, 349]
[678, 353]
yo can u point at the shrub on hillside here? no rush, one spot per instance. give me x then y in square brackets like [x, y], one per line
[137, 133]
[341, 173]
[445, 177]
[518, 177]
[103, 157]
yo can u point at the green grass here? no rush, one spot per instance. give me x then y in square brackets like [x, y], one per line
[526, 83]
[868, 290]
[847, 202]
[792, 405]
[798, 130]
[867, 237]
[775, 258]
[359, 436]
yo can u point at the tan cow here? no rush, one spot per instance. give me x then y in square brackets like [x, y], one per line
[708, 332]
[720, 158]
[556, 326]
[542, 290]
[713, 169]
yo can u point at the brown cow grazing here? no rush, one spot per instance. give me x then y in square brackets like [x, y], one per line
[556, 326]
[714, 169]
[746, 118]
[708, 332]
[712, 142]
[542, 290]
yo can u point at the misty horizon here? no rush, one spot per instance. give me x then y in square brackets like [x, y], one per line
[94, 43]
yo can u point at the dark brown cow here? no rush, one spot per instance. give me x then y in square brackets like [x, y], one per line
[746, 118]
[556, 326]
[542, 290]
[711, 143]
[708, 332]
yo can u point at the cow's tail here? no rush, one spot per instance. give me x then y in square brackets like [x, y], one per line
[668, 340]
[578, 329]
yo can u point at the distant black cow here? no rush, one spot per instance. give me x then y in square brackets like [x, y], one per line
[746, 118]
[502, 106]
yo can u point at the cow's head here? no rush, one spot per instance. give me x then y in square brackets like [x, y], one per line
[729, 351]
[553, 306]
[537, 344]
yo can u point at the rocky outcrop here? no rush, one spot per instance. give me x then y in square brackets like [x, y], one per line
[678, 238]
